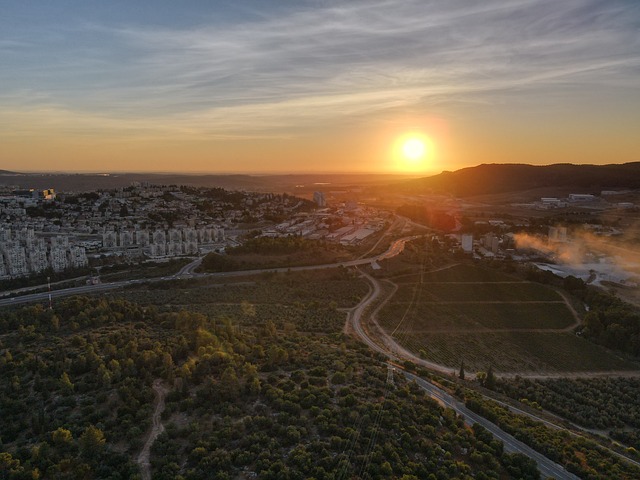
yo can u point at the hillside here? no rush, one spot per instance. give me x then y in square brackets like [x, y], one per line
[500, 178]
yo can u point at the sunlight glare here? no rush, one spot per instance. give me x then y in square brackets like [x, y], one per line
[413, 152]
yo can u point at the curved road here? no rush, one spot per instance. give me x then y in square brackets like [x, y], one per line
[547, 467]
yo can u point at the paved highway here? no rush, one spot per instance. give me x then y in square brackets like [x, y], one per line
[547, 467]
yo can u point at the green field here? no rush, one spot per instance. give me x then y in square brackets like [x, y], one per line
[488, 318]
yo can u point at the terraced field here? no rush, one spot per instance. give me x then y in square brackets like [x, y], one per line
[487, 318]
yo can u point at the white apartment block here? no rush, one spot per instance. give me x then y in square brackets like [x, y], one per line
[126, 238]
[467, 243]
[78, 257]
[158, 249]
[191, 247]
[16, 261]
[159, 237]
[190, 235]
[204, 235]
[175, 235]
[58, 259]
[174, 248]
[109, 240]
[142, 238]
[38, 260]
[60, 241]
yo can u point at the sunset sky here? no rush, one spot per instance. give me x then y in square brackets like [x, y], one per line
[316, 86]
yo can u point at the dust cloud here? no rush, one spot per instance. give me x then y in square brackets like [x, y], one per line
[584, 247]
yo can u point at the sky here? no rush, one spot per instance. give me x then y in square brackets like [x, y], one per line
[277, 86]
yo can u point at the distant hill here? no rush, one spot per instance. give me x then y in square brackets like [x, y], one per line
[297, 183]
[500, 178]
[7, 172]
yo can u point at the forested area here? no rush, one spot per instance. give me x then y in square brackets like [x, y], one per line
[578, 455]
[608, 404]
[611, 322]
[245, 399]
[268, 252]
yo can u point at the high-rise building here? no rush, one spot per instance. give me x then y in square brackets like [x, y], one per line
[16, 261]
[126, 238]
[60, 241]
[142, 238]
[3, 269]
[38, 260]
[467, 243]
[109, 239]
[78, 257]
[58, 259]
[319, 199]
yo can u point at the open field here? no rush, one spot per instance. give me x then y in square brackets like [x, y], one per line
[477, 292]
[477, 316]
[482, 317]
[458, 273]
[514, 351]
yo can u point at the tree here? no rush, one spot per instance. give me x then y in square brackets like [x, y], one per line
[92, 441]
[65, 382]
[461, 373]
[62, 436]
[490, 381]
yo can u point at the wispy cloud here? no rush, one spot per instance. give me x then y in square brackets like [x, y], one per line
[327, 64]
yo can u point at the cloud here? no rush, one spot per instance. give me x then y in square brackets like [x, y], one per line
[331, 63]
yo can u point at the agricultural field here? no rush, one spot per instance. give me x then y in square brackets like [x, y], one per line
[443, 317]
[483, 317]
[523, 352]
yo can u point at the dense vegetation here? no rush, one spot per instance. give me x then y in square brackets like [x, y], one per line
[611, 322]
[609, 404]
[578, 455]
[250, 395]
[267, 252]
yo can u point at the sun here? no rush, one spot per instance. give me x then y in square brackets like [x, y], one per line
[413, 149]
[412, 153]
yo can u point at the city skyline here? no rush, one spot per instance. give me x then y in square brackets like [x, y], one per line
[276, 87]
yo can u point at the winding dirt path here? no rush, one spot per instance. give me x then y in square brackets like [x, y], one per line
[156, 429]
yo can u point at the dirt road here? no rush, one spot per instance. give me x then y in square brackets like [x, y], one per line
[156, 429]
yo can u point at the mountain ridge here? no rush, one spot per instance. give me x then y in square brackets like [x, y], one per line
[490, 178]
